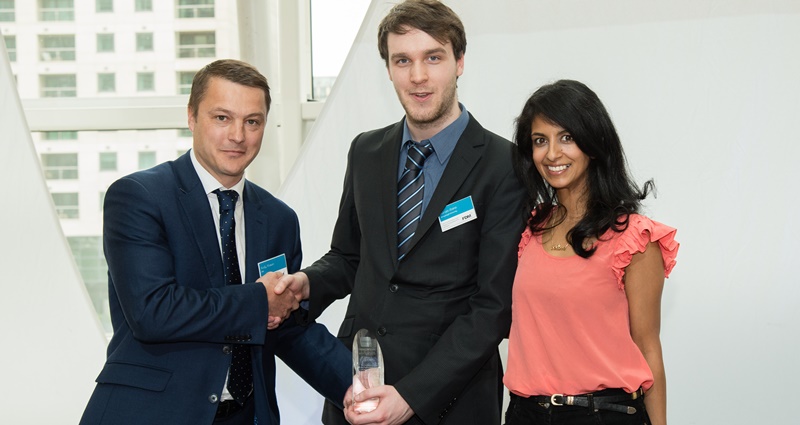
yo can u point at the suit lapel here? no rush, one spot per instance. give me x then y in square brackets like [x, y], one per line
[197, 212]
[388, 161]
[466, 154]
[255, 219]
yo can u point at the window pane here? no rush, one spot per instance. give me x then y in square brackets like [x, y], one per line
[106, 82]
[58, 85]
[144, 5]
[104, 6]
[60, 166]
[7, 11]
[57, 47]
[105, 43]
[185, 82]
[196, 45]
[60, 135]
[147, 160]
[66, 205]
[108, 161]
[195, 9]
[334, 26]
[88, 253]
[144, 42]
[11, 47]
[145, 81]
[56, 10]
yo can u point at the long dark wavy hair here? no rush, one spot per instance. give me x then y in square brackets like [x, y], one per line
[611, 193]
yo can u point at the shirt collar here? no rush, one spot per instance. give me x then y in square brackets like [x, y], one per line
[210, 184]
[444, 142]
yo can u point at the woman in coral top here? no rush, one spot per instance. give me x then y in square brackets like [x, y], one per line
[584, 345]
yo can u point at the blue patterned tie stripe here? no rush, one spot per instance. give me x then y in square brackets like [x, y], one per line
[240, 379]
[410, 189]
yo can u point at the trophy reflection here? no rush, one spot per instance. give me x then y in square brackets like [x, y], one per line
[367, 368]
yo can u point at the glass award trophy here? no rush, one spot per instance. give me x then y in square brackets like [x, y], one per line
[367, 368]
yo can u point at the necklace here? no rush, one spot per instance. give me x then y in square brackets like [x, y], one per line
[558, 247]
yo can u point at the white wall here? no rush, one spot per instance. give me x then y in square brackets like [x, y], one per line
[53, 345]
[705, 95]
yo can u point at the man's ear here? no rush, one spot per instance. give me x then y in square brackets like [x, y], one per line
[191, 120]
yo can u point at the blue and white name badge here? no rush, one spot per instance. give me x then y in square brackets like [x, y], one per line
[274, 264]
[457, 213]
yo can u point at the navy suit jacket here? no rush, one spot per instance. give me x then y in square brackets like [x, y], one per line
[173, 316]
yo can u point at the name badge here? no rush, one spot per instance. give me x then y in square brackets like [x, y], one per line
[274, 264]
[457, 213]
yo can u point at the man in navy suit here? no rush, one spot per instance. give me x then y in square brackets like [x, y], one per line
[177, 324]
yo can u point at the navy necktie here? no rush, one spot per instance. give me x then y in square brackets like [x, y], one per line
[240, 378]
[409, 195]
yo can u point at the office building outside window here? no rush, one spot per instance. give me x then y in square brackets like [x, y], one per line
[11, 47]
[144, 42]
[56, 10]
[196, 45]
[195, 9]
[106, 82]
[105, 43]
[108, 161]
[60, 135]
[66, 205]
[7, 11]
[147, 160]
[59, 85]
[144, 6]
[145, 82]
[185, 81]
[103, 6]
[60, 166]
[57, 47]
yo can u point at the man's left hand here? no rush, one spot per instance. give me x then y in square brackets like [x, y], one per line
[392, 408]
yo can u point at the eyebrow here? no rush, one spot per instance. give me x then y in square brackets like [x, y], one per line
[229, 112]
[536, 133]
[426, 53]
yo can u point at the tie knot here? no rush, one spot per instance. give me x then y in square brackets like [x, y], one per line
[227, 199]
[417, 153]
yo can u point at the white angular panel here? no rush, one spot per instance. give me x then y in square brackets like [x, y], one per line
[53, 344]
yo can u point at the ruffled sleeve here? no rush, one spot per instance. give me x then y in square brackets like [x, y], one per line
[641, 231]
[524, 240]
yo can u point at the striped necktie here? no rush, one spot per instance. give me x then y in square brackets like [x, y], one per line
[409, 195]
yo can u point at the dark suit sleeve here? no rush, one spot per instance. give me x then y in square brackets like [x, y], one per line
[143, 247]
[472, 338]
[337, 268]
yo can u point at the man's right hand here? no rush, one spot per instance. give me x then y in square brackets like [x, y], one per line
[296, 283]
[282, 304]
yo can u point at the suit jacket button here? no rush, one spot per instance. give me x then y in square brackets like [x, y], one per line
[393, 287]
[381, 331]
[213, 398]
[226, 349]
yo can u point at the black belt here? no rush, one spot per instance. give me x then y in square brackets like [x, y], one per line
[229, 407]
[601, 400]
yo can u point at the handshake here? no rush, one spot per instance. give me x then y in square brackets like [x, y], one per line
[284, 293]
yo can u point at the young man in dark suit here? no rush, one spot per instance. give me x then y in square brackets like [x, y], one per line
[190, 343]
[428, 267]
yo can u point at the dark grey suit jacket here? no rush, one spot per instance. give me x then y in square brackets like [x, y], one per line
[440, 312]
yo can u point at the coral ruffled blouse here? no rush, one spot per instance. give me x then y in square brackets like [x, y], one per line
[570, 332]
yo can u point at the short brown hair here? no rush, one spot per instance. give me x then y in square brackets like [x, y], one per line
[229, 69]
[430, 16]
